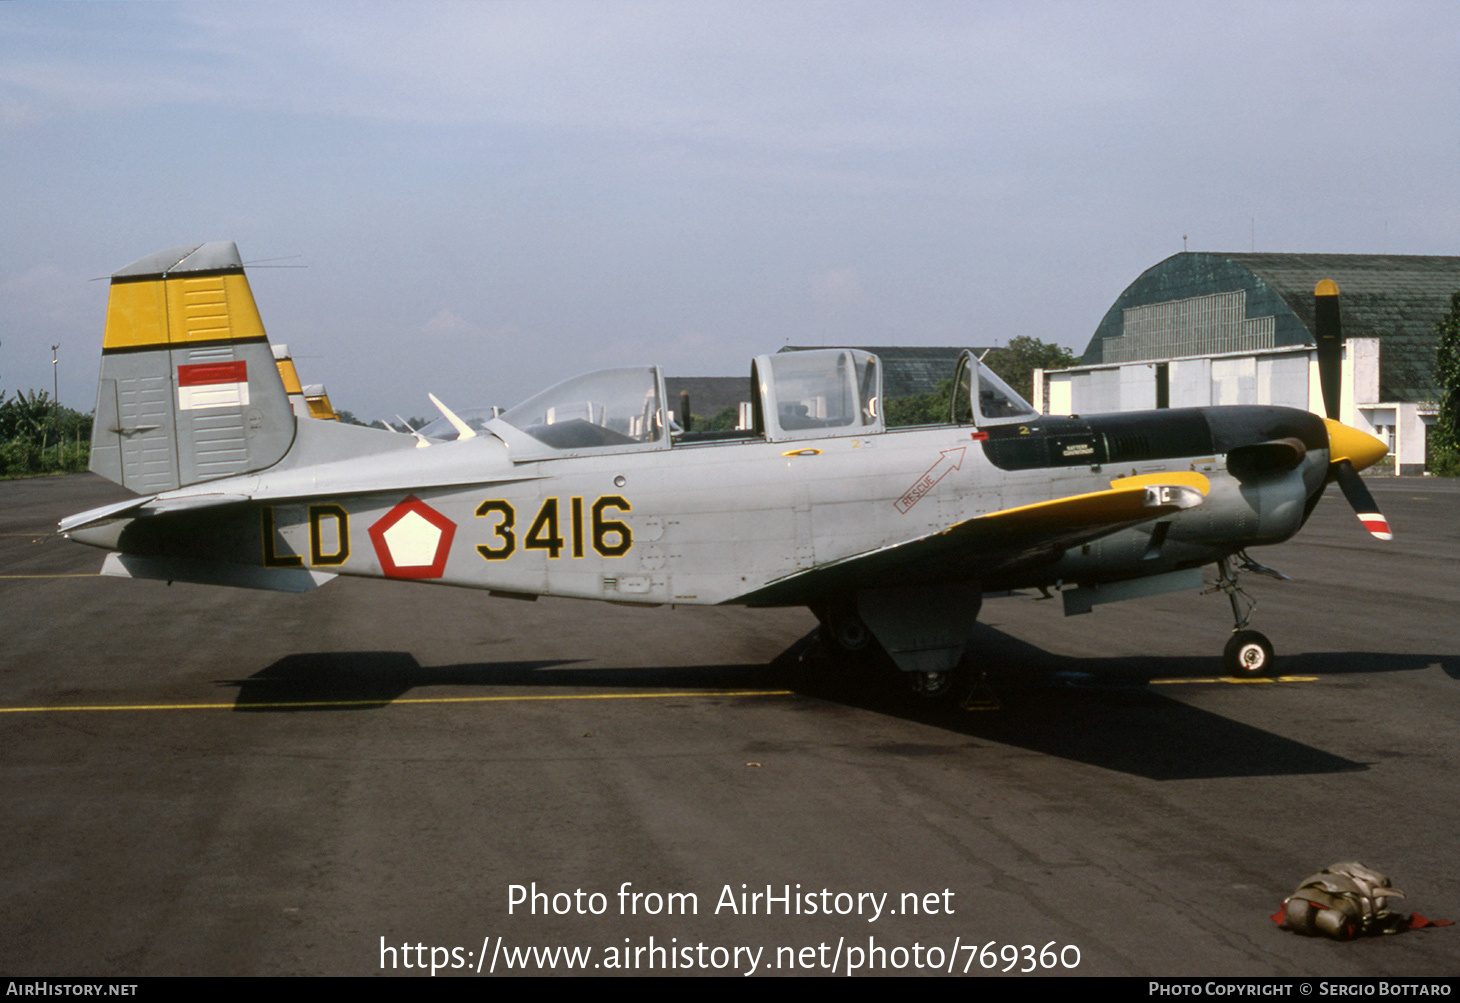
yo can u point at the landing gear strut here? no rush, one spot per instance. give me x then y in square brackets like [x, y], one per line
[1248, 653]
[847, 643]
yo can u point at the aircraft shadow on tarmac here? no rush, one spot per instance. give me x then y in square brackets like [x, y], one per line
[1008, 655]
[1098, 711]
[366, 680]
[1103, 712]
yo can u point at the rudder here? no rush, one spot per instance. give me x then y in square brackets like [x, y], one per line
[189, 390]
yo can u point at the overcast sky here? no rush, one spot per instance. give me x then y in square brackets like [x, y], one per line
[489, 197]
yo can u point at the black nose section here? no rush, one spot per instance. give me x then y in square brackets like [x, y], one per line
[1263, 441]
[1274, 435]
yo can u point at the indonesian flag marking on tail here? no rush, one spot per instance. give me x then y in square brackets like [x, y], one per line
[1376, 524]
[213, 384]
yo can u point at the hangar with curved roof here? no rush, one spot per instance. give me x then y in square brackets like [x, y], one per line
[1203, 328]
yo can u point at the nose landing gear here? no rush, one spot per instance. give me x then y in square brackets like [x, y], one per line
[1248, 654]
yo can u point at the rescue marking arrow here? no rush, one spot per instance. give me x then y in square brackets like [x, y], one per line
[930, 478]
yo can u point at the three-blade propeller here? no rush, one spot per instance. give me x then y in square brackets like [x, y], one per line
[1349, 450]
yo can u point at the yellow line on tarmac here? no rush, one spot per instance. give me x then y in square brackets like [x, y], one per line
[1234, 679]
[297, 704]
[79, 574]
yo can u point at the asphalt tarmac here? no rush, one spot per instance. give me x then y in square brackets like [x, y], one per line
[380, 778]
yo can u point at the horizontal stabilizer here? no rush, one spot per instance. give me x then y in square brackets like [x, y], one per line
[189, 503]
[154, 505]
[182, 569]
[101, 514]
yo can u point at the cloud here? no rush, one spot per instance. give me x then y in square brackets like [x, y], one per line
[447, 324]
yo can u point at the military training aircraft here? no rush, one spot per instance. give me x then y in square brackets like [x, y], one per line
[892, 537]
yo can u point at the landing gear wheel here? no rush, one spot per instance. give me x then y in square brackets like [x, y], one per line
[1248, 654]
[851, 651]
[960, 687]
[844, 630]
[931, 685]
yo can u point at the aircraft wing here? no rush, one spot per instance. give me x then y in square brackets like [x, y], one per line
[995, 541]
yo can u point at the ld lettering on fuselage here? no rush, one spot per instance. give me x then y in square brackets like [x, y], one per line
[587, 526]
[329, 538]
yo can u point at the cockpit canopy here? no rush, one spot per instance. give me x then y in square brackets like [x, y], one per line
[821, 393]
[612, 407]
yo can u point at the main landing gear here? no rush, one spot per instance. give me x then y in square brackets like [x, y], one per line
[849, 643]
[1248, 653]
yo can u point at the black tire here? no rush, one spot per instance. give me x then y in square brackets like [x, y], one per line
[851, 650]
[1248, 655]
[931, 685]
[843, 630]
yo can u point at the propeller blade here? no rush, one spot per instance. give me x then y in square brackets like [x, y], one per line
[1364, 506]
[1350, 451]
[1328, 333]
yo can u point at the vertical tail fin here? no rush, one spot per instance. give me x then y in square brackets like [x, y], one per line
[306, 401]
[318, 401]
[290, 377]
[189, 390]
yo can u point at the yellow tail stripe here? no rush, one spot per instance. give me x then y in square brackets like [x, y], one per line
[166, 312]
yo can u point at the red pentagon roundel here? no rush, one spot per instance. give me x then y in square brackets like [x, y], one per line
[412, 540]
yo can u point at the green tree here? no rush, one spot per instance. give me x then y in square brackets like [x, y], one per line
[38, 436]
[1444, 437]
[725, 421]
[931, 408]
[1015, 362]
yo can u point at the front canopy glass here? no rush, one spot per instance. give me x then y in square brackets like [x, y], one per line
[997, 401]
